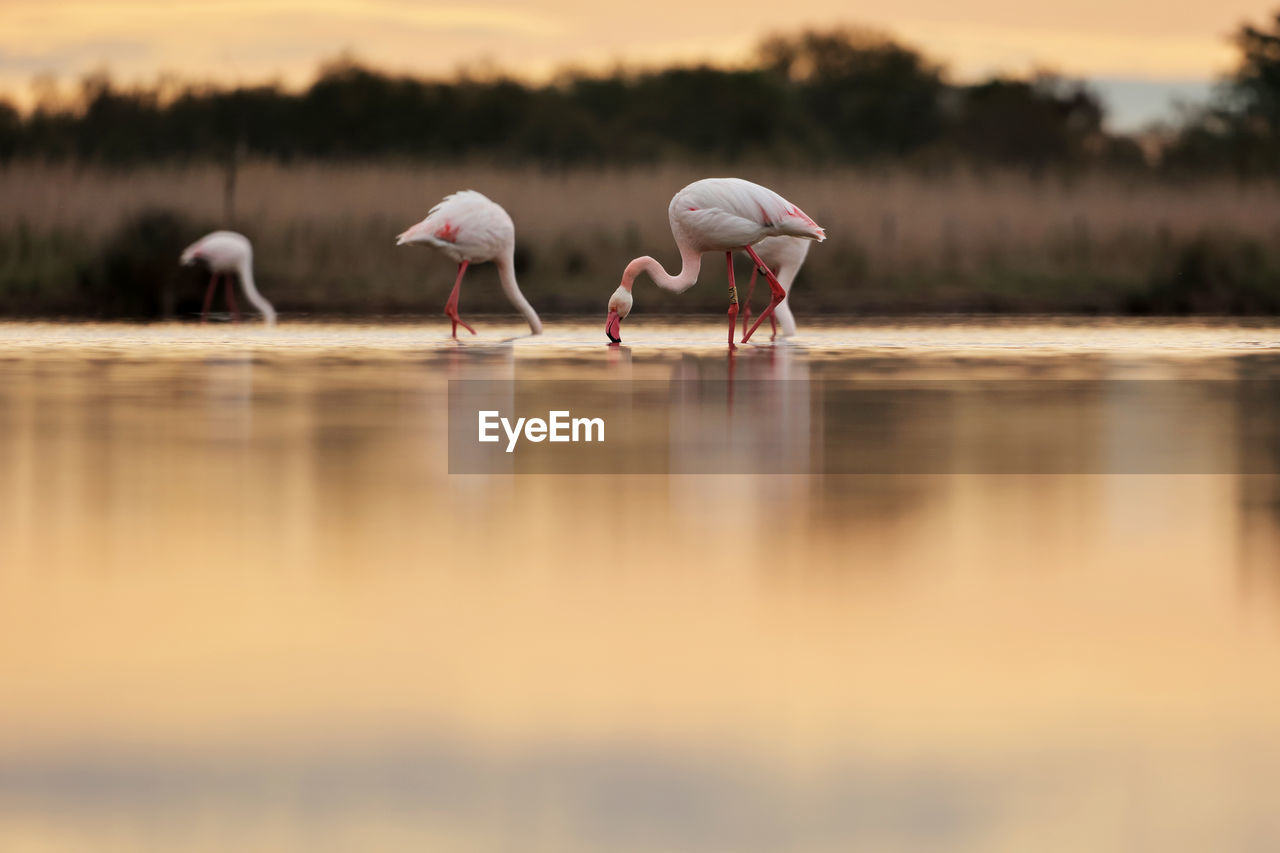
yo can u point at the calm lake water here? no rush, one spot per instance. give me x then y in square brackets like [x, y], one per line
[244, 605]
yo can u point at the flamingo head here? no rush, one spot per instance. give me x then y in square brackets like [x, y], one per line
[413, 234]
[619, 307]
[191, 256]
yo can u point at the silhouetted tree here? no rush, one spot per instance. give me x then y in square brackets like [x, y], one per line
[1033, 123]
[819, 96]
[1256, 83]
[1240, 130]
[10, 130]
[874, 96]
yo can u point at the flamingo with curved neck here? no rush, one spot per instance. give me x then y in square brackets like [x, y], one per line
[228, 254]
[470, 229]
[716, 214]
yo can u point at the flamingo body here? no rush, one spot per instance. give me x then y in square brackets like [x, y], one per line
[468, 228]
[222, 251]
[723, 214]
[465, 226]
[229, 253]
[717, 214]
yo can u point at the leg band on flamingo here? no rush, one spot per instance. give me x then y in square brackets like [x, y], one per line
[776, 293]
[733, 300]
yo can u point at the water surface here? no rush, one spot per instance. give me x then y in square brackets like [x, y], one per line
[243, 605]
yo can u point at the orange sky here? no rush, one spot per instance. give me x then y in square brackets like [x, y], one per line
[255, 39]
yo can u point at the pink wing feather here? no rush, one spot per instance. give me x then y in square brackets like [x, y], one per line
[466, 226]
[730, 212]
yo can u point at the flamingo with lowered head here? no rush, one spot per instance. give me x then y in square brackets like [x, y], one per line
[717, 215]
[785, 256]
[228, 254]
[471, 229]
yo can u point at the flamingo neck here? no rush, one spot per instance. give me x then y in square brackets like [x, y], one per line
[251, 293]
[507, 275]
[690, 264]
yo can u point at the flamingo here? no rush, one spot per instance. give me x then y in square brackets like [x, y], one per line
[471, 229]
[717, 215]
[785, 256]
[227, 253]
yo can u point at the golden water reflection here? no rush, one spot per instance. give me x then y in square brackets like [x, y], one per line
[243, 605]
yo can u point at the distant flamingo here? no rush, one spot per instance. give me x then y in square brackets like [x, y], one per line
[785, 256]
[717, 215]
[471, 229]
[227, 253]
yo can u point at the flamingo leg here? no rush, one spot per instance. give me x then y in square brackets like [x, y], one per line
[733, 300]
[776, 293]
[208, 297]
[746, 306]
[451, 307]
[231, 299]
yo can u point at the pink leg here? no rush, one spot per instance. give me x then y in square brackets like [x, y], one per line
[451, 307]
[733, 352]
[208, 297]
[773, 327]
[733, 300]
[231, 299]
[776, 293]
[746, 306]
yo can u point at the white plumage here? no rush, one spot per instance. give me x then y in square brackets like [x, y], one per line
[717, 214]
[470, 229]
[720, 214]
[228, 253]
[466, 226]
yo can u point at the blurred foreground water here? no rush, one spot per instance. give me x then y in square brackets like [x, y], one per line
[244, 606]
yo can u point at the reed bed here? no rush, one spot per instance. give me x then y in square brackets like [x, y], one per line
[898, 241]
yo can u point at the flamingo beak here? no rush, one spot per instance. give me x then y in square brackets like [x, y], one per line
[613, 327]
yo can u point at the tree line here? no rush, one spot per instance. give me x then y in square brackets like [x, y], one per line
[833, 96]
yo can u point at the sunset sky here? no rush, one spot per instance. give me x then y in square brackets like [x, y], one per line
[1138, 54]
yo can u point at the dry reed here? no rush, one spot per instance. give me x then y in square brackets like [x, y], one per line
[325, 232]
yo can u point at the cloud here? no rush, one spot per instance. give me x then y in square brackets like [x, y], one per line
[46, 23]
[73, 55]
[251, 40]
[984, 48]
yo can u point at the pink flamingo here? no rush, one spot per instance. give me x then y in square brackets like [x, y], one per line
[228, 254]
[471, 229]
[717, 215]
[785, 256]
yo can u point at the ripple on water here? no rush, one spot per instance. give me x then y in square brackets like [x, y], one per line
[577, 337]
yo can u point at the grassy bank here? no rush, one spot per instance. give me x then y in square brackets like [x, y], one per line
[82, 241]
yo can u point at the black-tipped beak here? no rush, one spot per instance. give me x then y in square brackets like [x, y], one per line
[613, 327]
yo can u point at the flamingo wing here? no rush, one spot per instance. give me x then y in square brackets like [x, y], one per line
[222, 250]
[731, 212]
[467, 226]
